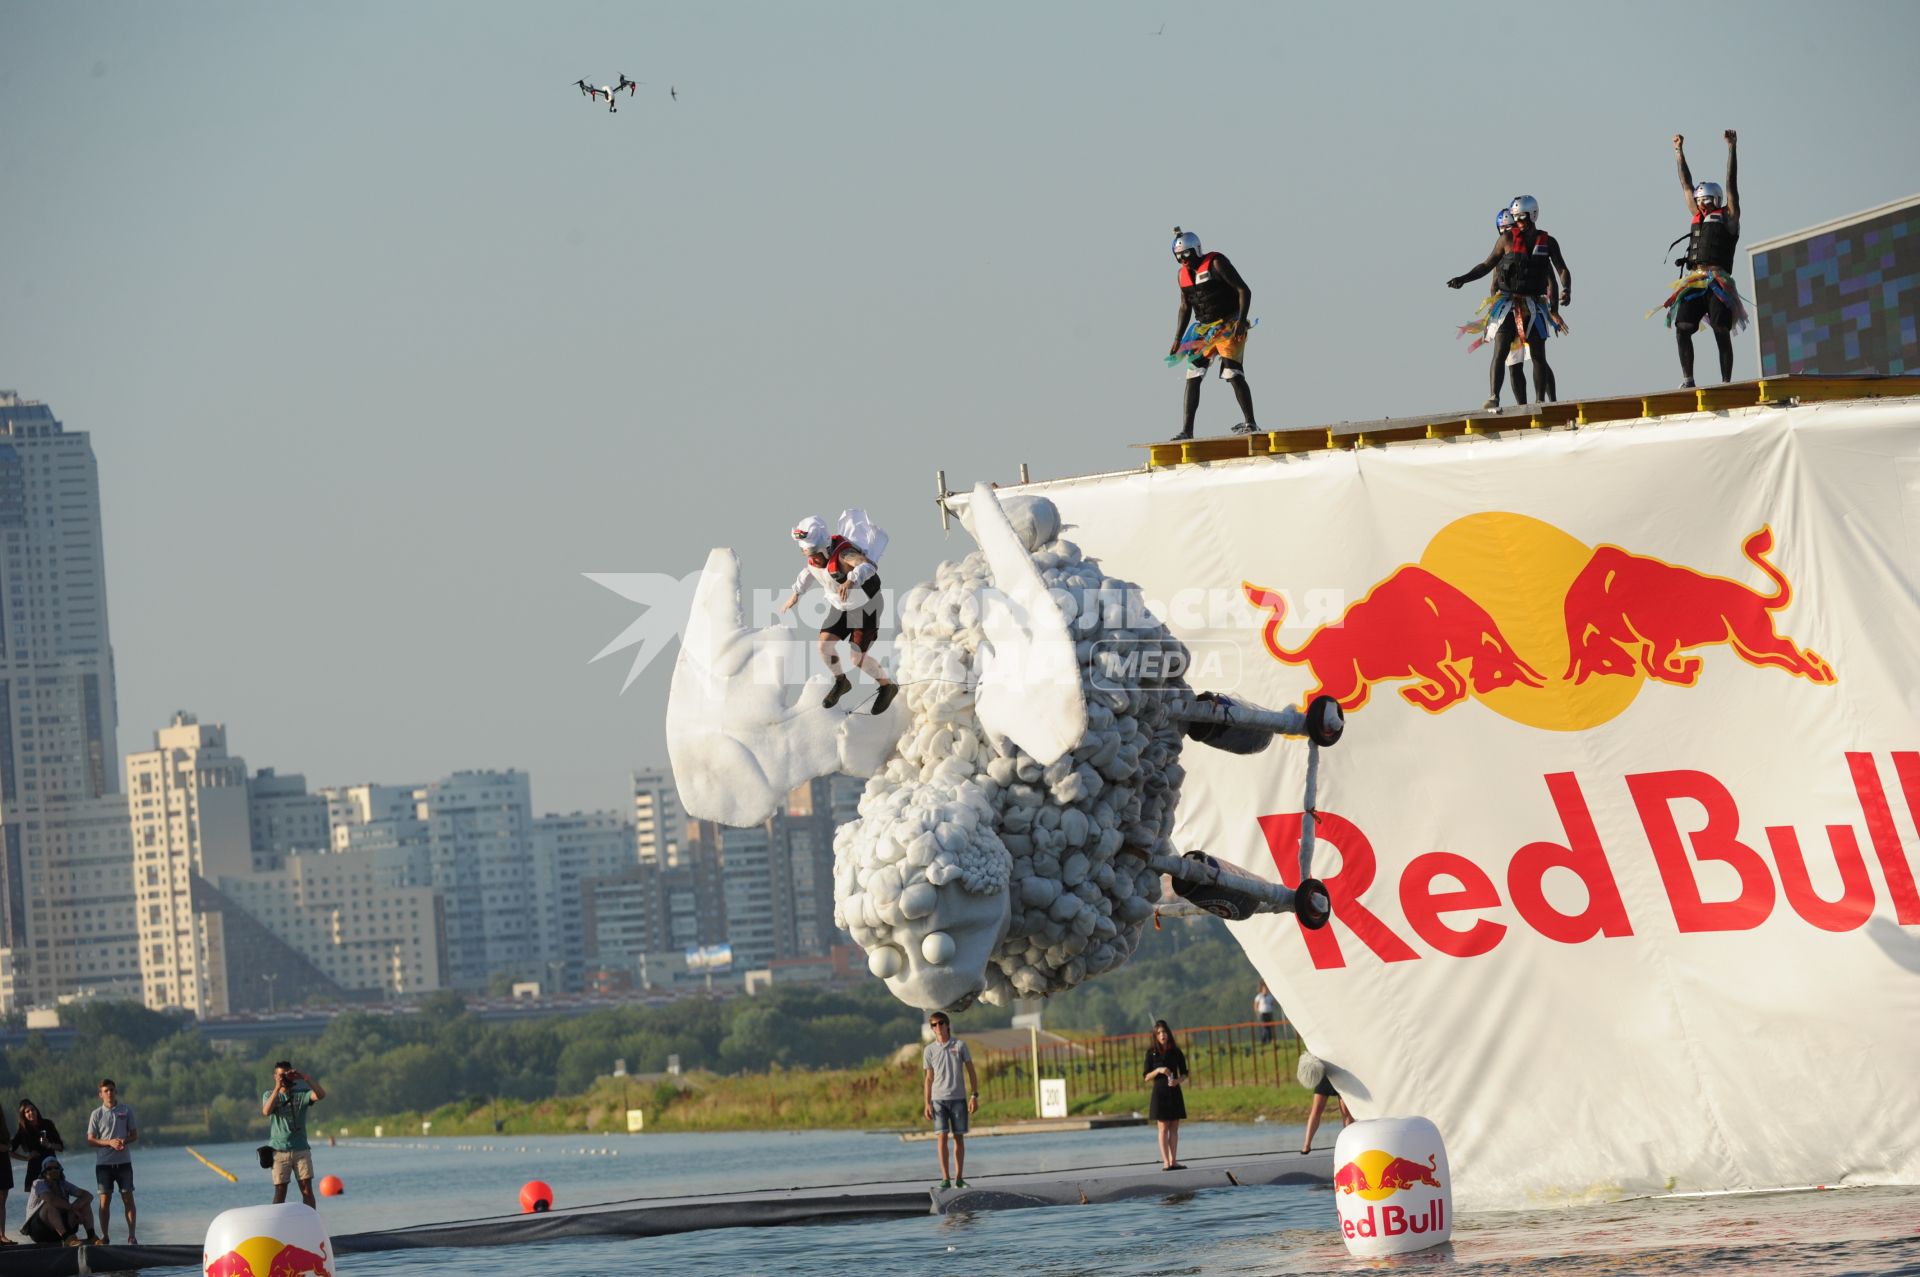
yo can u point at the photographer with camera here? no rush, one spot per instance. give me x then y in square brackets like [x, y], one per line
[285, 1107]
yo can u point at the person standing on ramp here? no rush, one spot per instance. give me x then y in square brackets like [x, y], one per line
[1707, 290]
[1213, 323]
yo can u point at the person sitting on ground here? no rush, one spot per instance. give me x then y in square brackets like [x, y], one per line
[57, 1212]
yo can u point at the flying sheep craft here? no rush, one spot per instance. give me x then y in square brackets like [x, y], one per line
[1020, 791]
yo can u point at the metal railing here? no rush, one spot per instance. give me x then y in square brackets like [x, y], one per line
[1246, 1054]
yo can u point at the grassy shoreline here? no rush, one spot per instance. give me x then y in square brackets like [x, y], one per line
[877, 1098]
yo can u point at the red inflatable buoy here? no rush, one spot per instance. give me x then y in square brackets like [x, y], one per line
[330, 1186]
[535, 1195]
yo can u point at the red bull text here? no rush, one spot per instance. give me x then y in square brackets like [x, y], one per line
[1440, 917]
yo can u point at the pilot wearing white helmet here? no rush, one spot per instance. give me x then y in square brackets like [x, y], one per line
[847, 572]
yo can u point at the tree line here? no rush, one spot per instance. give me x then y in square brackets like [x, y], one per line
[183, 1085]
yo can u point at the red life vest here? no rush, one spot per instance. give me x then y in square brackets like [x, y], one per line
[829, 559]
[1210, 296]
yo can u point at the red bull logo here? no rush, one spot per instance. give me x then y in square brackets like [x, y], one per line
[1499, 598]
[268, 1257]
[1376, 1175]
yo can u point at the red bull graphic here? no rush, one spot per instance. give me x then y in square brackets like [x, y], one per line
[269, 1257]
[1626, 611]
[1497, 598]
[1412, 625]
[1376, 1175]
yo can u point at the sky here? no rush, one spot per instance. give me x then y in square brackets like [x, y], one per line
[385, 336]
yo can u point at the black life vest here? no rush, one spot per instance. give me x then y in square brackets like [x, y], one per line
[1202, 288]
[1526, 266]
[1710, 242]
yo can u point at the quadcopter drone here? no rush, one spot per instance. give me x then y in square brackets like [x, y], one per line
[604, 92]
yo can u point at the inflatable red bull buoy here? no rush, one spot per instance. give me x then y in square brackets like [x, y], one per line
[1392, 1186]
[330, 1186]
[286, 1240]
[535, 1195]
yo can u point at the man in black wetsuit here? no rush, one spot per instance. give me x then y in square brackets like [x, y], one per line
[1708, 290]
[1211, 293]
[1524, 260]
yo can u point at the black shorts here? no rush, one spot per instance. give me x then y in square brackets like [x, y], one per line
[121, 1177]
[1326, 1088]
[860, 624]
[1718, 314]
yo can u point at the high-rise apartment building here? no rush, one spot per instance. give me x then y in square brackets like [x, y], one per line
[59, 759]
[187, 807]
[659, 821]
[569, 853]
[355, 916]
[479, 826]
[814, 811]
[284, 818]
[755, 874]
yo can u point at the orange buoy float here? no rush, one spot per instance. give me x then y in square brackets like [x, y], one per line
[535, 1195]
[330, 1186]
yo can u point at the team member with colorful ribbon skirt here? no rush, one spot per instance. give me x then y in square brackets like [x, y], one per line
[1213, 324]
[1524, 262]
[1707, 290]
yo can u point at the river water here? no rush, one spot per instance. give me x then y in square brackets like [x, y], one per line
[1244, 1231]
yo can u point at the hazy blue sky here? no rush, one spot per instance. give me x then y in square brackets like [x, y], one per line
[384, 335]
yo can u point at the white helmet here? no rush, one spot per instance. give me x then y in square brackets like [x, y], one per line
[1525, 206]
[811, 532]
[1709, 195]
[1185, 244]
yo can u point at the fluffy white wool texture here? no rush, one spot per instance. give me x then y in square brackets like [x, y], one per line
[957, 810]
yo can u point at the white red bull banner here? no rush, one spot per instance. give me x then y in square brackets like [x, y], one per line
[1621, 837]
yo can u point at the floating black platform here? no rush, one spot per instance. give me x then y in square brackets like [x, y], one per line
[771, 1208]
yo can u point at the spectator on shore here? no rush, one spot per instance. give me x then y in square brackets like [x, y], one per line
[1265, 1007]
[6, 1177]
[111, 1129]
[285, 1107]
[57, 1209]
[1166, 1068]
[35, 1139]
[948, 1100]
[1314, 1076]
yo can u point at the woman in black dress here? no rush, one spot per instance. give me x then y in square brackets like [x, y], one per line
[34, 1139]
[6, 1178]
[1167, 1070]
